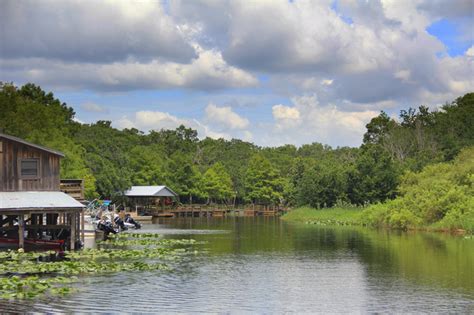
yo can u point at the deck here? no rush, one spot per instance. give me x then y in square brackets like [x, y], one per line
[216, 211]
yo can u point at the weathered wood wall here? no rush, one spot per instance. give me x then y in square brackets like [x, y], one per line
[11, 153]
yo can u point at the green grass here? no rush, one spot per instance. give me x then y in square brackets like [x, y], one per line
[357, 216]
[327, 216]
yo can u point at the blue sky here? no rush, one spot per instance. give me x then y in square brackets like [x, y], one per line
[270, 72]
[450, 33]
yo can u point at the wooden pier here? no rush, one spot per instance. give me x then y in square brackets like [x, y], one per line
[218, 212]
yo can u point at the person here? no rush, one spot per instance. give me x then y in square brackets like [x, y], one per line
[129, 219]
[106, 226]
[119, 222]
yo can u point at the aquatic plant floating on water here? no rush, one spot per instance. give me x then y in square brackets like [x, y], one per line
[29, 275]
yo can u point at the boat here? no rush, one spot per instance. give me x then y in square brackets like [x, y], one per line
[33, 243]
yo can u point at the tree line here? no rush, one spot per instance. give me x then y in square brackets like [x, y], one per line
[234, 171]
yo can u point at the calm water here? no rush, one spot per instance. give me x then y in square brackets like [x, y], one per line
[264, 265]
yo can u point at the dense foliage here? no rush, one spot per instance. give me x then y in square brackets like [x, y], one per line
[234, 171]
[441, 194]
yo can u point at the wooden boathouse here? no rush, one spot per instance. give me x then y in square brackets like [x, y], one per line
[150, 200]
[33, 210]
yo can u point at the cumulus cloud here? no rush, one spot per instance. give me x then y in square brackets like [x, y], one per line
[156, 120]
[93, 107]
[109, 45]
[358, 56]
[327, 82]
[384, 53]
[308, 121]
[286, 117]
[153, 120]
[470, 51]
[225, 117]
[96, 32]
[442, 8]
[217, 122]
[207, 72]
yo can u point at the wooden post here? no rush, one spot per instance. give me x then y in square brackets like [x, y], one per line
[73, 230]
[21, 231]
[82, 226]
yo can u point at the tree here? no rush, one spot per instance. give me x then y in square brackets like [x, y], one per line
[262, 182]
[453, 125]
[217, 183]
[377, 128]
[149, 165]
[322, 185]
[374, 177]
[187, 179]
[441, 194]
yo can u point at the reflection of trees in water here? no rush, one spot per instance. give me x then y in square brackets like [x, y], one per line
[422, 258]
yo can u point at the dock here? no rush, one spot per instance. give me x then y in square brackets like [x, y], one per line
[217, 212]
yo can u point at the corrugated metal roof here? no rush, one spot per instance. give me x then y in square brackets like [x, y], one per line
[2, 135]
[150, 191]
[37, 199]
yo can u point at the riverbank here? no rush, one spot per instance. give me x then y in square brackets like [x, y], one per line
[361, 217]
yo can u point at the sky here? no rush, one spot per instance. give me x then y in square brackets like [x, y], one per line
[270, 72]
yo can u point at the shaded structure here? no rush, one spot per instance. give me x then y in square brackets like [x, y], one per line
[150, 199]
[33, 210]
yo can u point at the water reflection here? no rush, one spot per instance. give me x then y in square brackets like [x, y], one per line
[265, 265]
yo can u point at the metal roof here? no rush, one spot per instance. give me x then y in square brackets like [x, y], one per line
[150, 191]
[2, 135]
[37, 199]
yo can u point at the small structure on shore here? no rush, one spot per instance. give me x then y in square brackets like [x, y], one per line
[74, 188]
[150, 199]
[33, 210]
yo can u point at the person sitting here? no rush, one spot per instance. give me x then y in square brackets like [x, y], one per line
[119, 222]
[129, 219]
[106, 226]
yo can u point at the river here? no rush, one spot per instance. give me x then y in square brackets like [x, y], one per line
[265, 265]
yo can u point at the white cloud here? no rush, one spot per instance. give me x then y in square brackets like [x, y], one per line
[123, 123]
[97, 32]
[77, 120]
[363, 56]
[209, 71]
[156, 120]
[153, 120]
[385, 54]
[286, 117]
[308, 121]
[403, 75]
[225, 117]
[247, 136]
[206, 131]
[327, 82]
[93, 107]
[470, 51]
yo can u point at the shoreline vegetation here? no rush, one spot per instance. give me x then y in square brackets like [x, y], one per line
[438, 198]
[354, 216]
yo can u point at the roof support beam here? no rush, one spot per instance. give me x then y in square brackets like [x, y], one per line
[21, 231]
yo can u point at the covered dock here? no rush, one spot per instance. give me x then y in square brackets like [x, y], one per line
[33, 210]
[41, 217]
[150, 199]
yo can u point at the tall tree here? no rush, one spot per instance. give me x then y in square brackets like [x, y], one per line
[217, 183]
[374, 178]
[262, 182]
